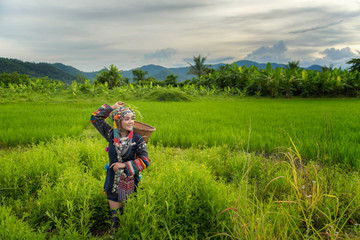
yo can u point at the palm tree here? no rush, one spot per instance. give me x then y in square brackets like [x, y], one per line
[171, 80]
[355, 64]
[199, 68]
[327, 68]
[293, 65]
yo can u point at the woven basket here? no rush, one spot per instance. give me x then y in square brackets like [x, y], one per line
[143, 130]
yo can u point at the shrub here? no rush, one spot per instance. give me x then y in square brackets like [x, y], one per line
[175, 95]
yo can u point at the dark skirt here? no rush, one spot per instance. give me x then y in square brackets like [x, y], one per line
[115, 196]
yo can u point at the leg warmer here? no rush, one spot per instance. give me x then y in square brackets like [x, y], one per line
[115, 218]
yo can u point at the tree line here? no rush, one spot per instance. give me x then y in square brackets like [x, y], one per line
[231, 79]
[289, 81]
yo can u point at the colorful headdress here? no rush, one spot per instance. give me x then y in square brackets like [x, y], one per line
[116, 116]
[119, 113]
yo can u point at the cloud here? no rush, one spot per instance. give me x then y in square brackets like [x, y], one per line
[210, 61]
[317, 28]
[90, 33]
[337, 54]
[276, 53]
[220, 60]
[310, 28]
[335, 57]
[162, 54]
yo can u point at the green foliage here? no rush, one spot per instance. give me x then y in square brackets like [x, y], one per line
[227, 80]
[293, 65]
[171, 80]
[283, 82]
[169, 95]
[139, 75]
[13, 78]
[111, 76]
[34, 70]
[355, 64]
[13, 228]
[58, 187]
[199, 68]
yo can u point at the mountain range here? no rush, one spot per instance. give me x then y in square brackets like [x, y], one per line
[67, 73]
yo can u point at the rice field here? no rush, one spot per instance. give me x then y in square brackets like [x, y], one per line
[204, 180]
[25, 123]
[322, 129]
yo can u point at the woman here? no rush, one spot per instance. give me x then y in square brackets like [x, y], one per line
[127, 154]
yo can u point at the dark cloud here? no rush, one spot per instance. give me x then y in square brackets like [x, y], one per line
[337, 54]
[188, 60]
[278, 48]
[317, 28]
[274, 53]
[166, 5]
[220, 60]
[211, 60]
[333, 56]
[161, 54]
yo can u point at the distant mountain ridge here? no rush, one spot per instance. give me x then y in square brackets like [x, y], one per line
[34, 69]
[67, 73]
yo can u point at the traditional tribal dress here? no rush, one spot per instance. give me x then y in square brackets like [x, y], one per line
[131, 150]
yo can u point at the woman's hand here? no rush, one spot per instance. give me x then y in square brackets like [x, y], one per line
[118, 105]
[116, 166]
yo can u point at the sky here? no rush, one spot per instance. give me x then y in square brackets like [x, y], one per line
[91, 34]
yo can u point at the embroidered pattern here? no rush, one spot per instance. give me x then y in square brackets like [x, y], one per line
[126, 187]
[92, 118]
[137, 165]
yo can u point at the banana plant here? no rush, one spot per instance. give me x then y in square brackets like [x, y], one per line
[272, 79]
[289, 81]
[75, 88]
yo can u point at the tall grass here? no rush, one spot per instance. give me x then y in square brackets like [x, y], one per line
[13, 228]
[54, 190]
[298, 202]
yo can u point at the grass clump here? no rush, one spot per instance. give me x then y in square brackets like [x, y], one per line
[57, 187]
[294, 201]
[169, 95]
[14, 228]
[180, 200]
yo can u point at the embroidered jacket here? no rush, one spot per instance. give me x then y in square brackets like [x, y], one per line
[138, 148]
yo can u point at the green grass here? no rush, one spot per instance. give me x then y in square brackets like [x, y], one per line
[204, 180]
[54, 191]
[25, 123]
[323, 129]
